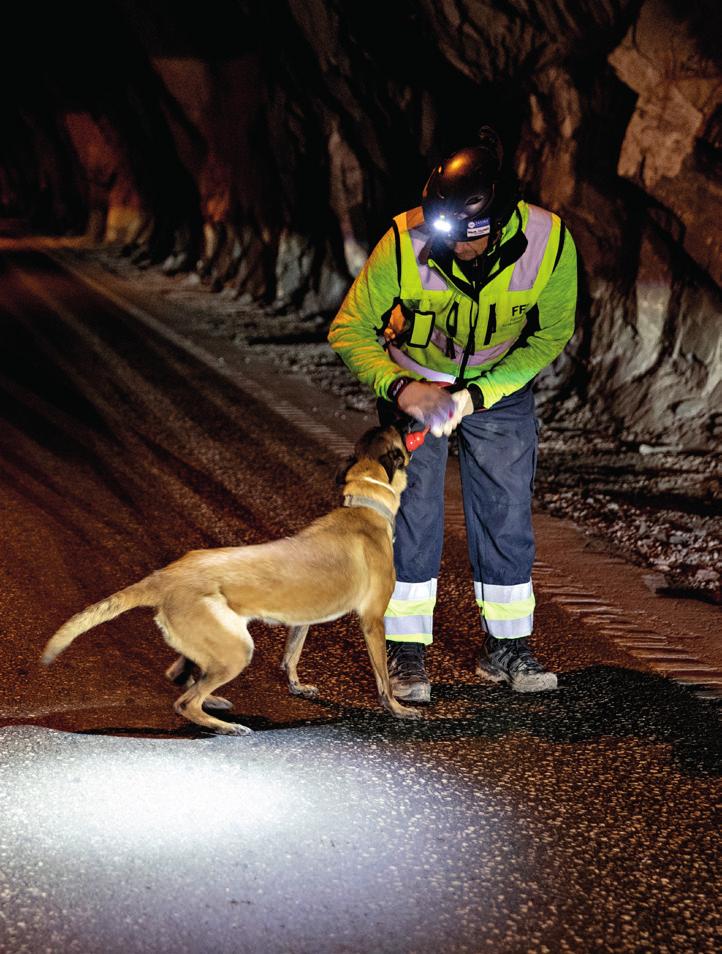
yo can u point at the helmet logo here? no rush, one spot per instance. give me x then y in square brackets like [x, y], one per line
[478, 227]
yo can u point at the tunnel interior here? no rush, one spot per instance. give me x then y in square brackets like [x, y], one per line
[266, 146]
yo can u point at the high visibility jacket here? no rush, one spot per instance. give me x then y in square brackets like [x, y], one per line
[411, 311]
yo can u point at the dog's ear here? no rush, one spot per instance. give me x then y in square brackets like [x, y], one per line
[343, 470]
[392, 461]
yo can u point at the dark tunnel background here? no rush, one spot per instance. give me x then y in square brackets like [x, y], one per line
[267, 145]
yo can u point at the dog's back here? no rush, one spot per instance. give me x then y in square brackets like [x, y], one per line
[320, 573]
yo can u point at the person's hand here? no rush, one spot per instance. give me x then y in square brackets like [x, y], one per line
[431, 405]
[469, 401]
[464, 404]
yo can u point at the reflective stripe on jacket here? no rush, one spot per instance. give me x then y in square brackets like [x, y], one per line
[513, 325]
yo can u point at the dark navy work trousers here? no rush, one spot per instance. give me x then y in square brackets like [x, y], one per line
[497, 456]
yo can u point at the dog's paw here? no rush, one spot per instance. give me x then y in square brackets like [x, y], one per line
[234, 728]
[216, 702]
[305, 690]
[406, 712]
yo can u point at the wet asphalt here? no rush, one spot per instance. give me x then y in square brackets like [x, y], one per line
[583, 820]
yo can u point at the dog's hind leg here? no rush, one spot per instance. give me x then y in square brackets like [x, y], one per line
[181, 673]
[217, 702]
[191, 703]
[219, 642]
[375, 636]
[294, 647]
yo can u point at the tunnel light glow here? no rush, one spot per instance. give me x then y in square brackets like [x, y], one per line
[442, 225]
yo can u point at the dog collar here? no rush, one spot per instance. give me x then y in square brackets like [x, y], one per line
[354, 500]
[380, 483]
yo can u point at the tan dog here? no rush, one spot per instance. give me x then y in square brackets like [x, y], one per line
[341, 563]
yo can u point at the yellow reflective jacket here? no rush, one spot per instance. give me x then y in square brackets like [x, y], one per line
[411, 310]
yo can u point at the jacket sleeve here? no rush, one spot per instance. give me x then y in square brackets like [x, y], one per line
[354, 331]
[557, 307]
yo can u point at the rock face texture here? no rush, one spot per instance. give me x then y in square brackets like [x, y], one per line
[267, 146]
[672, 152]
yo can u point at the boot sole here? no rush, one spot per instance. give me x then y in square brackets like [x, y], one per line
[544, 682]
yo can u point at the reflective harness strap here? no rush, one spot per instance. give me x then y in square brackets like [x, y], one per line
[480, 357]
[526, 269]
[404, 361]
[456, 353]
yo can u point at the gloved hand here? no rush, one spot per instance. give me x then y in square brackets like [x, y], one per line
[469, 400]
[464, 404]
[431, 405]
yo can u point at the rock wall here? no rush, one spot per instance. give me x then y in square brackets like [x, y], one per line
[660, 361]
[268, 145]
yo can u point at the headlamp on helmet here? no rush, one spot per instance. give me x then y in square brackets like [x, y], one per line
[458, 198]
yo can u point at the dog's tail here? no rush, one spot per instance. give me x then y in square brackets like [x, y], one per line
[139, 594]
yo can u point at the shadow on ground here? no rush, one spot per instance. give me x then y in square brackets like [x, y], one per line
[593, 703]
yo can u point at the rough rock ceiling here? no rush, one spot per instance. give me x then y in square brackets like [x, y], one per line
[268, 144]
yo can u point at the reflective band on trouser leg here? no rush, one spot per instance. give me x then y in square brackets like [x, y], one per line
[410, 613]
[507, 612]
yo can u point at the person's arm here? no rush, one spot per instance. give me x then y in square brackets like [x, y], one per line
[557, 306]
[354, 332]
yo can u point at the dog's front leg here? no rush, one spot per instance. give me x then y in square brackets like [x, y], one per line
[375, 636]
[294, 647]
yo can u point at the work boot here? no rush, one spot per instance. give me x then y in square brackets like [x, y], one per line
[512, 661]
[409, 682]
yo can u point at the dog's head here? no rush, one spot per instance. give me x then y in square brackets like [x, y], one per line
[385, 445]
